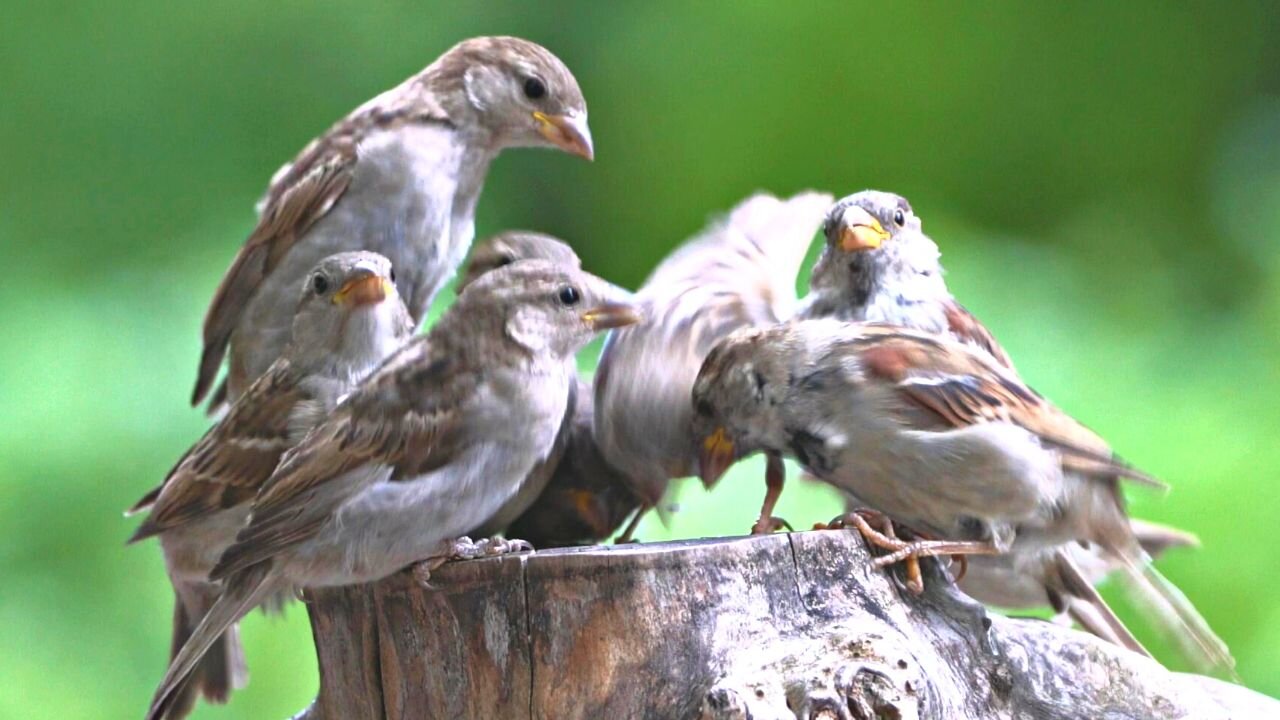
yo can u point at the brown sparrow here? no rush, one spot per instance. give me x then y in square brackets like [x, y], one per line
[400, 176]
[739, 272]
[939, 436]
[420, 452]
[347, 319]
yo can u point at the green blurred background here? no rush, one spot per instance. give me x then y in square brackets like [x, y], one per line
[1104, 180]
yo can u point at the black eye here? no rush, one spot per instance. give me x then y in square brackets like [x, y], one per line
[320, 283]
[569, 295]
[534, 89]
[899, 219]
[392, 274]
[504, 260]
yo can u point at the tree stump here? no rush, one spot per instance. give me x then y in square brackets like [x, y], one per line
[788, 626]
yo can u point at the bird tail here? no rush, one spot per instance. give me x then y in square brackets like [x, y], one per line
[1082, 603]
[1173, 615]
[209, 657]
[223, 667]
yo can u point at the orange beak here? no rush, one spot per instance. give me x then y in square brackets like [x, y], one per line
[567, 132]
[368, 289]
[715, 457]
[861, 231]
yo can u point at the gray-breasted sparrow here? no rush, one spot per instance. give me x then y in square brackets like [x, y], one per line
[940, 437]
[347, 319]
[739, 272]
[401, 176]
[499, 251]
[879, 266]
[426, 448]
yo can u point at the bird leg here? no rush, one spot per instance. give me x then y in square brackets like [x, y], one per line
[627, 535]
[908, 552]
[775, 476]
[464, 548]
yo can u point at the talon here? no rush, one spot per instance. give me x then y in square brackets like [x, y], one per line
[767, 525]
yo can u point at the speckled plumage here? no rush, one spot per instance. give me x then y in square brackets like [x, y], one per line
[418, 453]
[204, 501]
[401, 175]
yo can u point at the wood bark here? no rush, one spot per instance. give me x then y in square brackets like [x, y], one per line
[787, 626]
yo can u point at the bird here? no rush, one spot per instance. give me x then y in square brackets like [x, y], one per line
[738, 272]
[938, 436]
[347, 318]
[400, 175]
[499, 251]
[878, 265]
[428, 446]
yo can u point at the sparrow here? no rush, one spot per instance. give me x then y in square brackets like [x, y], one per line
[427, 447]
[940, 437]
[346, 319]
[400, 175]
[499, 251]
[877, 265]
[740, 272]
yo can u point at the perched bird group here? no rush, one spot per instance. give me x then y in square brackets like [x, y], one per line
[347, 448]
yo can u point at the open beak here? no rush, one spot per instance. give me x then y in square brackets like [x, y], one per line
[567, 132]
[715, 456]
[366, 289]
[861, 231]
[611, 315]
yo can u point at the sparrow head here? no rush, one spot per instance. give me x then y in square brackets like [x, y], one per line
[507, 247]
[734, 400]
[518, 91]
[546, 308]
[350, 309]
[874, 239]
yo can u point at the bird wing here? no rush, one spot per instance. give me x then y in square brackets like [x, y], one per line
[966, 327]
[957, 387]
[233, 459]
[406, 417]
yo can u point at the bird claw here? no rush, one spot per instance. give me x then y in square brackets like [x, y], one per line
[767, 525]
[909, 552]
[464, 548]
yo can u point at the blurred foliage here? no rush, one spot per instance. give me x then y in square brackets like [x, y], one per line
[1104, 179]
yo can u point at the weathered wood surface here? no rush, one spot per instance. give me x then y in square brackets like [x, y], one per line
[783, 626]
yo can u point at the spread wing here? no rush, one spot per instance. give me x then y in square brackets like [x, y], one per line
[407, 418]
[955, 387]
[966, 327]
[233, 459]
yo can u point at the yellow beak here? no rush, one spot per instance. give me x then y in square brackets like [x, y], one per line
[861, 231]
[715, 457]
[567, 132]
[611, 315]
[363, 290]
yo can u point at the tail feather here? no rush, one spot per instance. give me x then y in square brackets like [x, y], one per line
[1087, 608]
[1176, 618]
[240, 594]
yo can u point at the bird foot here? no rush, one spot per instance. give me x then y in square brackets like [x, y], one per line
[909, 552]
[767, 525]
[464, 548]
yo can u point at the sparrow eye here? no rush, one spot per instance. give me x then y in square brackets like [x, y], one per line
[534, 89]
[899, 219]
[504, 260]
[392, 275]
[569, 295]
[320, 284]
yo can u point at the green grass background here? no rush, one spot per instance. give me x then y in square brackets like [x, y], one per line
[1104, 179]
